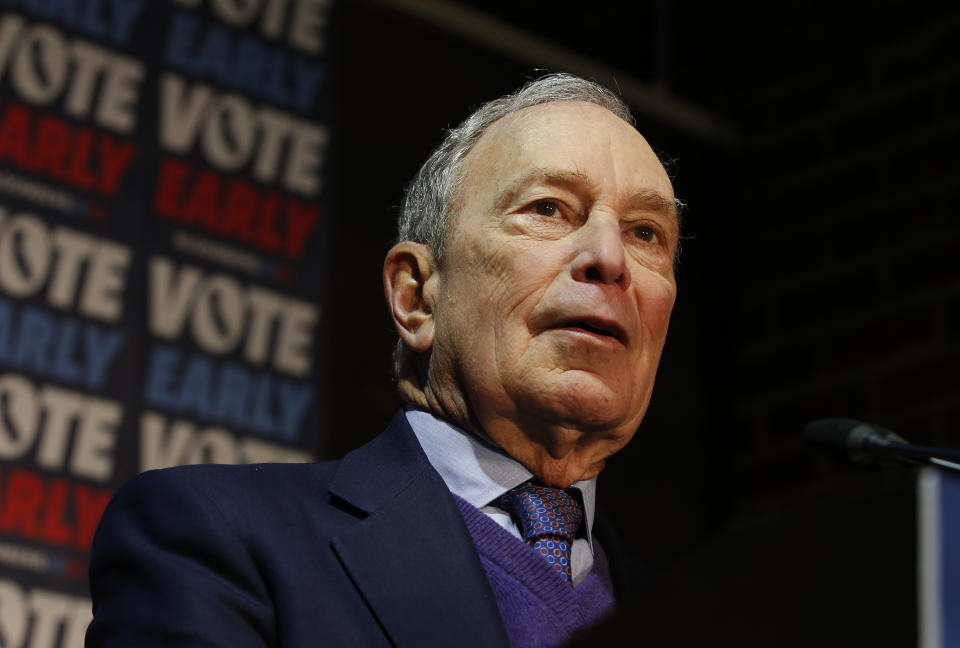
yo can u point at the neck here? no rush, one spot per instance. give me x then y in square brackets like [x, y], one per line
[447, 404]
[558, 454]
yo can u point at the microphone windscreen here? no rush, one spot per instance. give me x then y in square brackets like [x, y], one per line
[834, 434]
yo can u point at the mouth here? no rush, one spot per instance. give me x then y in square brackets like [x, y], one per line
[598, 327]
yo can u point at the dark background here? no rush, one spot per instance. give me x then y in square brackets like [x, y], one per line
[819, 277]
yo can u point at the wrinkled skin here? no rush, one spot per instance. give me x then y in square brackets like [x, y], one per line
[542, 329]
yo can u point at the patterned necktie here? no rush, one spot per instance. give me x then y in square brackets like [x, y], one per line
[548, 519]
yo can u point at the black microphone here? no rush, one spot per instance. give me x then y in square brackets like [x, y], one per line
[863, 443]
[849, 438]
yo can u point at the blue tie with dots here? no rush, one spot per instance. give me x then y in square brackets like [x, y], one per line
[548, 519]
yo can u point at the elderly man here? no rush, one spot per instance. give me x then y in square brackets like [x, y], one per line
[531, 289]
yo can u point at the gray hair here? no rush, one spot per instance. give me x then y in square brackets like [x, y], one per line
[431, 196]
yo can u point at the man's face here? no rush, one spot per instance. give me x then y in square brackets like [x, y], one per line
[557, 284]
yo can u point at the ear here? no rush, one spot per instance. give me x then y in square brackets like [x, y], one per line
[409, 284]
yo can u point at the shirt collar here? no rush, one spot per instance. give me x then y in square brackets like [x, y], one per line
[476, 471]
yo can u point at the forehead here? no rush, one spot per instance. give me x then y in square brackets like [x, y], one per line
[564, 137]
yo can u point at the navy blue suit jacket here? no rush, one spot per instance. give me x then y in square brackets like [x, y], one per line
[366, 551]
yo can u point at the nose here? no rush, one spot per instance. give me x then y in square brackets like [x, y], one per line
[600, 257]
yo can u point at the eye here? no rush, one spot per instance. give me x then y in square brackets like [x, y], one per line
[646, 233]
[546, 208]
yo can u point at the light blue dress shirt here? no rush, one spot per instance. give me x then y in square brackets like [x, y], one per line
[480, 473]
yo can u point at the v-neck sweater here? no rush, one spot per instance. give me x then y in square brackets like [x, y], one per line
[538, 607]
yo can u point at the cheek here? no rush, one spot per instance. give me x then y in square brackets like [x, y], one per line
[508, 277]
[482, 295]
[656, 301]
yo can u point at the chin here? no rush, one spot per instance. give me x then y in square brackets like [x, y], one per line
[584, 401]
[561, 476]
[583, 461]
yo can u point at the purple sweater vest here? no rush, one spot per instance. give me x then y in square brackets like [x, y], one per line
[538, 608]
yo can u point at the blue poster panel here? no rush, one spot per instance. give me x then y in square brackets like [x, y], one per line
[939, 573]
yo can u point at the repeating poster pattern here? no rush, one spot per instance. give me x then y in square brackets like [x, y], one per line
[163, 192]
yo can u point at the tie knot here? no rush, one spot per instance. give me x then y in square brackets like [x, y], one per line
[543, 511]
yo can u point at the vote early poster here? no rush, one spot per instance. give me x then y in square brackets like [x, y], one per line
[163, 228]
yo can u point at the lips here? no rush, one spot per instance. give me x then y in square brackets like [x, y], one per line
[605, 328]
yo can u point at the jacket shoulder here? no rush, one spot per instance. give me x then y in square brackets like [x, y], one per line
[237, 492]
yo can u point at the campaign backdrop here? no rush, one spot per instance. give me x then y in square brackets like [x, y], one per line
[163, 230]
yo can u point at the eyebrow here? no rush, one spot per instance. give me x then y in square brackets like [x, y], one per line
[537, 176]
[654, 201]
[647, 199]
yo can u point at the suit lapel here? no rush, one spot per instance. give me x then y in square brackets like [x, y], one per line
[411, 557]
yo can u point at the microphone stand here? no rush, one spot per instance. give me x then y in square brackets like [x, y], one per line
[915, 454]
